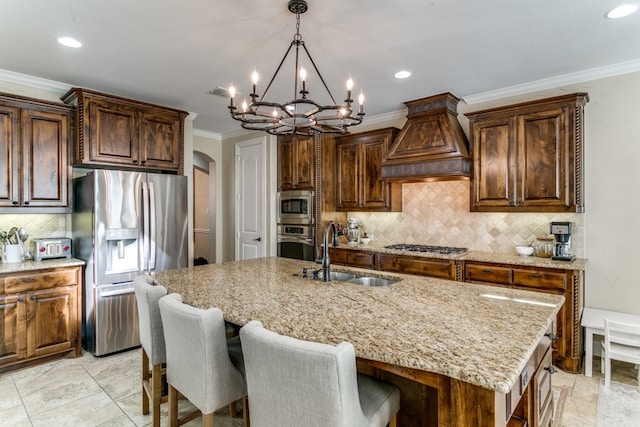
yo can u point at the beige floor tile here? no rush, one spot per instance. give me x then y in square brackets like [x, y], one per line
[9, 397]
[90, 411]
[15, 416]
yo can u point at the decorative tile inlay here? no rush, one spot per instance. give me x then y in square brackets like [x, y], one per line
[437, 213]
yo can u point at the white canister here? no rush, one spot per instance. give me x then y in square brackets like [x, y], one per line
[11, 253]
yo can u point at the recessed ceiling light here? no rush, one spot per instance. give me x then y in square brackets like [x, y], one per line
[69, 42]
[622, 11]
[402, 74]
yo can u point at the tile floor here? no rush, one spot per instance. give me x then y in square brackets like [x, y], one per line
[104, 391]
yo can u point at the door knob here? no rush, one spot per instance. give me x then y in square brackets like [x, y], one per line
[257, 240]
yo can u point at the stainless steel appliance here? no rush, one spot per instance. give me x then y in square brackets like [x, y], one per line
[562, 232]
[51, 248]
[295, 241]
[353, 231]
[124, 224]
[295, 207]
[445, 250]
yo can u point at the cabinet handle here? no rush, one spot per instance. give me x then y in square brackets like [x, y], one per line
[551, 336]
[486, 270]
[28, 280]
[33, 297]
[536, 275]
[135, 162]
[14, 203]
[551, 369]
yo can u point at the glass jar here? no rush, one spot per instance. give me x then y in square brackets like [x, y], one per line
[543, 247]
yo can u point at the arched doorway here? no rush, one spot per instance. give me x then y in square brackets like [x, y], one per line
[204, 209]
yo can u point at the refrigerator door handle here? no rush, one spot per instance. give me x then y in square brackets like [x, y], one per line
[145, 227]
[152, 227]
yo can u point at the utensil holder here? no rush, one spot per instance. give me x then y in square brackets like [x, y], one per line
[11, 253]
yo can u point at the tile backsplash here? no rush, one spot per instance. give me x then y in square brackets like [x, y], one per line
[437, 213]
[37, 225]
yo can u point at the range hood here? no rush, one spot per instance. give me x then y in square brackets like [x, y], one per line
[431, 146]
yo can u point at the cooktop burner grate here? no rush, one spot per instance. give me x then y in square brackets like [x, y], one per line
[427, 248]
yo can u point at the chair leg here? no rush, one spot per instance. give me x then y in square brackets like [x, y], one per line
[173, 406]
[607, 371]
[392, 421]
[233, 409]
[245, 411]
[156, 378]
[207, 420]
[145, 379]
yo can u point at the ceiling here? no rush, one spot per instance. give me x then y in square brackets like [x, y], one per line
[173, 52]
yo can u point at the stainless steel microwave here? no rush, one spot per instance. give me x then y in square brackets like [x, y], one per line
[295, 207]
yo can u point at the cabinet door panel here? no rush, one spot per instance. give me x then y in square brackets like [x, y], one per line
[9, 155]
[375, 192]
[45, 159]
[11, 329]
[338, 256]
[494, 169]
[51, 321]
[305, 164]
[159, 140]
[348, 190]
[286, 163]
[542, 177]
[113, 133]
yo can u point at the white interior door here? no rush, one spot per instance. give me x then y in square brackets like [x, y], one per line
[250, 199]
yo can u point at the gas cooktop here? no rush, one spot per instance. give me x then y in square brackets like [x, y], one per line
[447, 250]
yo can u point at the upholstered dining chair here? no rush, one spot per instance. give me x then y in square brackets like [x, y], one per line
[291, 382]
[621, 342]
[201, 365]
[148, 293]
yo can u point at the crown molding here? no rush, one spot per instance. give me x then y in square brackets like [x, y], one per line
[207, 134]
[555, 82]
[36, 82]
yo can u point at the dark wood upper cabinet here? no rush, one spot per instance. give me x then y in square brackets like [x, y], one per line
[529, 157]
[115, 131]
[34, 159]
[296, 162]
[359, 185]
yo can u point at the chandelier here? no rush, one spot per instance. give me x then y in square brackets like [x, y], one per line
[301, 115]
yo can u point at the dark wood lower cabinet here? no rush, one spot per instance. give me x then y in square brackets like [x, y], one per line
[40, 316]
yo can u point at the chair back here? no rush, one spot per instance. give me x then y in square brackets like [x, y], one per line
[292, 382]
[198, 363]
[148, 293]
[624, 334]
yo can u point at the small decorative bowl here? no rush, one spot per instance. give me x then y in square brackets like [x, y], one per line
[524, 250]
[365, 240]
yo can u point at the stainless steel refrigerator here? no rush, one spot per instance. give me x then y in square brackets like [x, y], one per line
[124, 224]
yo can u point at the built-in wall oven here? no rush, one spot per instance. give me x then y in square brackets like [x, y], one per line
[295, 225]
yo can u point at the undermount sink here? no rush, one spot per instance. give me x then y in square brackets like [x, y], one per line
[338, 275]
[372, 281]
[341, 276]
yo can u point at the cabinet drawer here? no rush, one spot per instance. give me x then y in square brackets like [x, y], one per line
[338, 256]
[361, 259]
[33, 281]
[487, 273]
[416, 265]
[540, 279]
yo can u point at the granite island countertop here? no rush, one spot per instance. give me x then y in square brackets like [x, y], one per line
[495, 257]
[479, 334]
[17, 267]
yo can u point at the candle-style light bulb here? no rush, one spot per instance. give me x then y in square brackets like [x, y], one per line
[274, 113]
[244, 106]
[254, 79]
[232, 93]
[303, 74]
[349, 87]
[361, 102]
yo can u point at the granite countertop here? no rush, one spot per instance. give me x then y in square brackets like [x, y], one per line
[497, 257]
[14, 267]
[479, 334]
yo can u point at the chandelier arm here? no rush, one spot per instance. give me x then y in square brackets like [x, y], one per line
[277, 70]
[318, 72]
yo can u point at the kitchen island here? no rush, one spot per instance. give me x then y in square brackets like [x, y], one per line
[468, 345]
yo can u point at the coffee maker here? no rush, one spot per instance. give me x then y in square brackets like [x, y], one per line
[562, 233]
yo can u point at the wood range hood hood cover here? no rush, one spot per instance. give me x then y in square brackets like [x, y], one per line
[431, 146]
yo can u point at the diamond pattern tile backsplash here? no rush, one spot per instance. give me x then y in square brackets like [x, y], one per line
[37, 225]
[437, 213]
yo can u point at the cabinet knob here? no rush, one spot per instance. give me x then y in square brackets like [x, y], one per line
[14, 203]
[33, 297]
[551, 336]
[135, 162]
[20, 299]
[551, 369]
[142, 162]
[26, 203]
